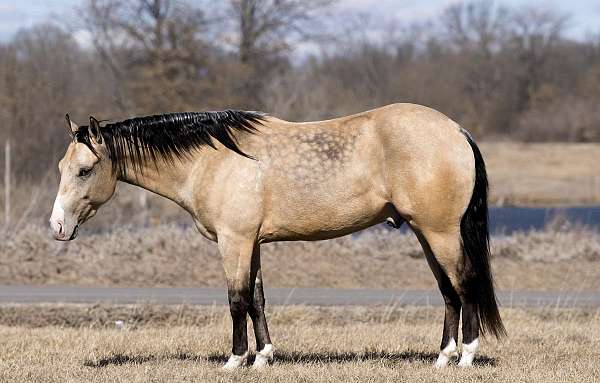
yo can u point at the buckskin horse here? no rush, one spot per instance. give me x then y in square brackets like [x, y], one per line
[247, 178]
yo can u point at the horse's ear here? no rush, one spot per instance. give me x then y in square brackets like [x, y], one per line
[71, 125]
[95, 133]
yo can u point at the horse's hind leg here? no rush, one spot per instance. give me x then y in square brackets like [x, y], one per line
[264, 348]
[444, 254]
[470, 322]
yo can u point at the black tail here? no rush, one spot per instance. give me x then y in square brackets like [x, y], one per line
[477, 281]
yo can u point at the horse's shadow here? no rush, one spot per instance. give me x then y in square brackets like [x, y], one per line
[288, 357]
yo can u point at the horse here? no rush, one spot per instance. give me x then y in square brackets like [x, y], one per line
[247, 178]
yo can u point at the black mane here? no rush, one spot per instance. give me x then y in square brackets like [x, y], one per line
[171, 136]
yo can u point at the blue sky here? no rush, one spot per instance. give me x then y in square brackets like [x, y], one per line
[585, 14]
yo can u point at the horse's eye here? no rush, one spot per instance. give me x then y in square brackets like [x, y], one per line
[83, 172]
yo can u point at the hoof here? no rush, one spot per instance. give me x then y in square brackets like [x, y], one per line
[236, 361]
[448, 353]
[263, 358]
[468, 353]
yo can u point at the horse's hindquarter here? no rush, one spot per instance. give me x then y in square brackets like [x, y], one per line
[331, 178]
[430, 166]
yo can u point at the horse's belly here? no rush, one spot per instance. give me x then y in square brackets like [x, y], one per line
[328, 216]
[322, 233]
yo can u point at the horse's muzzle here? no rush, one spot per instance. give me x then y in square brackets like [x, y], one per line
[60, 234]
[61, 231]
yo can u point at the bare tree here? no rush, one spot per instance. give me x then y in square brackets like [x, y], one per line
[476, 32]
[535, 35]
[40, 65]
[479, 26]
[153, 47]
[268, 28]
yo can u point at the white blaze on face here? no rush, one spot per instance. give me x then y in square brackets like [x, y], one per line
[449, 352]
[57, 219]
[468, 353]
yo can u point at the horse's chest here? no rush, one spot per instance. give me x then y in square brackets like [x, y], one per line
[205, 230]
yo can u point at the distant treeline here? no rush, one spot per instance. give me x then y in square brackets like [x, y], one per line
[502, 73]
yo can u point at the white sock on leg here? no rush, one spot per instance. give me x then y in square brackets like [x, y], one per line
[468, 353]
[449, 352]
[263, 357]
[236, 361]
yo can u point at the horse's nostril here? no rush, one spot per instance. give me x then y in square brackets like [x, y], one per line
[60, 228]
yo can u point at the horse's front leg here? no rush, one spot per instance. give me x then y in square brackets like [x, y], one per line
[237, 262]
[264, 348]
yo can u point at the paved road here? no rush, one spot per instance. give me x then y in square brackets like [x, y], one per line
[276, 296]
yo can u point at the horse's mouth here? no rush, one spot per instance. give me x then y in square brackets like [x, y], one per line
[75, 232]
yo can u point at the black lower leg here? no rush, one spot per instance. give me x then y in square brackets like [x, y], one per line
[257, 314]
[239, 302]
[257, 307]
[470, 321]
[452, 316]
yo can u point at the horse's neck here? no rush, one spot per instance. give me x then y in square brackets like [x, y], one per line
[167, 180]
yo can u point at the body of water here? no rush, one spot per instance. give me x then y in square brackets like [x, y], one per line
[505, 220]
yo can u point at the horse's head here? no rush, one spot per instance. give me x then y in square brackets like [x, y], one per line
[87, 180]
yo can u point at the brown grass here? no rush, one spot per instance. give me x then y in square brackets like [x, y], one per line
[543, 174]
[167, 255]
[312, 344]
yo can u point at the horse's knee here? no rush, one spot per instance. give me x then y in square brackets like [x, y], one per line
[239, 302]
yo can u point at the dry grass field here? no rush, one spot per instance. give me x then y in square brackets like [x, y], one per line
[168, 255]
[360, 344]
[543, 174]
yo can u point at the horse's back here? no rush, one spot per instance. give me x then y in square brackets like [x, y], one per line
[328, 178]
